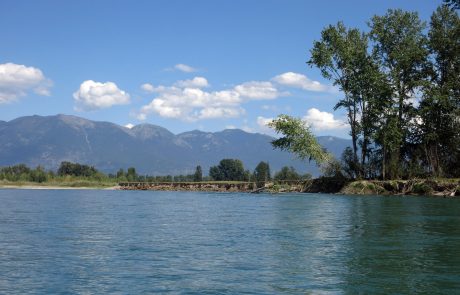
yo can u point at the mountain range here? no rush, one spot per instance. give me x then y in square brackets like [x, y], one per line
[151, 149]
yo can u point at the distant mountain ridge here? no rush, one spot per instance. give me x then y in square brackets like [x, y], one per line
[49, 140]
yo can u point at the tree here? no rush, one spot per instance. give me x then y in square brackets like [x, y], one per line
[440, 108]
[289, 174]
[400, 50]
[75, 169]
[298, 139]
[341, 55]
[131, 175]
[453, 4]
[120, 173]
[228, 170]
[38, 175]
[198, 176]
[262, 173]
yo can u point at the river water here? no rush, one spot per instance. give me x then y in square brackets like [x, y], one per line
[132, 242]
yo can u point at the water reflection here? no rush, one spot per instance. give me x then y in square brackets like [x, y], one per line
[403, 244]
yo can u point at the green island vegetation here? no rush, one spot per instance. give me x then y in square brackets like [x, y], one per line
[69, 174]
[400, 82]
[401, 92]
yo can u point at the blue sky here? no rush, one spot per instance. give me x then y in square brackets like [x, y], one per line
[183, 65]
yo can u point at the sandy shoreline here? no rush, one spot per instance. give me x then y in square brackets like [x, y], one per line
[50, 187]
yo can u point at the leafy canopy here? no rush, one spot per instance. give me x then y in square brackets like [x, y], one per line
[298, 139]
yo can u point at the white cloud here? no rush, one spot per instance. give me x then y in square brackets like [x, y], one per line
[258, 90]
[186, 100]
[247, 129]
[197, 82]
[96, 95]
[301, 81]
[323, 120]
[129, 125]
[147, 87]
[185, 68]
[220, 112]
[17, 80]
[263, 122]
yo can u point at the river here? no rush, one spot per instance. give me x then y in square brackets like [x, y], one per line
[132, 242]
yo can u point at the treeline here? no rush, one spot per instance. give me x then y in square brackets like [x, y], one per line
[401, 92]
[226, 170]
[66, 171]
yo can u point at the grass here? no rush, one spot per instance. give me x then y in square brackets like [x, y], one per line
[75, 183]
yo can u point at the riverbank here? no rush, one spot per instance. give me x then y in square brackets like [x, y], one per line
[58, 185]
[329, 185]
[422, 187]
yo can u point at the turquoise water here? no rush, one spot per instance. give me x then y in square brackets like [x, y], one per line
[132, 242]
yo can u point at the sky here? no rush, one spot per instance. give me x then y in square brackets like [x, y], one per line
[183, 65]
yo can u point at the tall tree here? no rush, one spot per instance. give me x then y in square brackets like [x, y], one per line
[337, 55]
[440, 107]
[198, 175]
[228, 170]
[131, 175]
[262, 173]
[343, 56]
[400, 49]
[454, 4]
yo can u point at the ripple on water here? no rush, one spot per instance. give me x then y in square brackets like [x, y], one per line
[144, 242]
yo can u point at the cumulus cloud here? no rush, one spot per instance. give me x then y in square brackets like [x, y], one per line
[263, 122]
[147, 87]
[323, 120]
[129, 125]
[186, 100]
[185, 68]
[297, 80]
[197, 82]
[96, 95]
[262, 125]
[258, 90]
[17, 80]
[220, 112]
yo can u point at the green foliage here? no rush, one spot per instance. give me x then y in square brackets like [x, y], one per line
[298, 139]
[38, 175]
[381, 74]
[343, 56]
[422, 188]
[290, 174]
[75, 169]
[120, 173]
[401, 51]
[453, 4]
[349, 165]
[333, 169]
[440, 108]
[228, 170]
[23, 174]
[198, 175]
[262, 174]
[131, 174]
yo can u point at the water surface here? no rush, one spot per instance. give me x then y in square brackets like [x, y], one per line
[131, 242]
